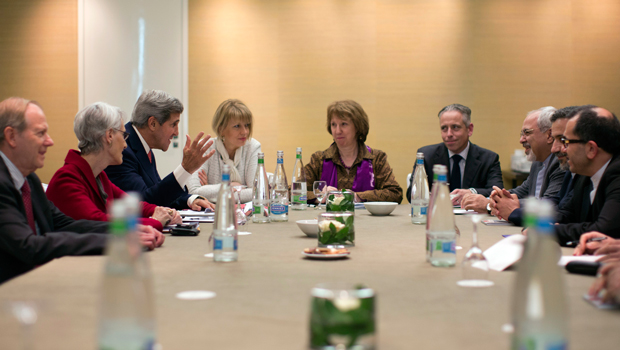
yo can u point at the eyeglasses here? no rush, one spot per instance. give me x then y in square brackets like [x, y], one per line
[526, 132]
[125, 134]
[566, 141]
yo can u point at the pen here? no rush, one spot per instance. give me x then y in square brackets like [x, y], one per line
[595, 239]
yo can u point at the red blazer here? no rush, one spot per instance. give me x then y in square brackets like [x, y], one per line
[73, 189]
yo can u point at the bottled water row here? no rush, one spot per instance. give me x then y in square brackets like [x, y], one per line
[270, 200]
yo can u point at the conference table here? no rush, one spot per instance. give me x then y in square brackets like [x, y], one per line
[263, 300]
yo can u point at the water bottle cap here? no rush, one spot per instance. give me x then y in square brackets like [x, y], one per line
[440, 169]
[226, 169]
[298, 149]
[280, 153]
[261, 155]
[420, 155]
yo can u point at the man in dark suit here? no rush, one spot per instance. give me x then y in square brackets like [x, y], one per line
[592, 142]
[32, 230]
[472, 169]
[154, 122]
[546, 176]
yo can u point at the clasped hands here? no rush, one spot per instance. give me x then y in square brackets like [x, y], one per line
[607, 284]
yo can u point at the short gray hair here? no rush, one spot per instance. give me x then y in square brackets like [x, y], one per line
[91, 124]
[155, 103]
[464, 110]
[544, 118]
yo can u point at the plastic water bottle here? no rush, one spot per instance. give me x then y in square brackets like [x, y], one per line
[441, 228]
[260, 193]
[225, 223]
[428, 216]
[299, 191]
[279, 192]
[539, 314]
[123, 309]
[134, 211]
[419, 192]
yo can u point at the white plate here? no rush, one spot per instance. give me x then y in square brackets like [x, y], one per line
[325, 256]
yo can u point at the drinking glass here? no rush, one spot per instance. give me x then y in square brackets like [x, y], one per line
[239, 214]
[342, 316]
[336, 228]
[341, 201]
[319, 191]
[475, 265]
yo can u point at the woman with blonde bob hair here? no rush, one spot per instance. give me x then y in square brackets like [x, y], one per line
[349, 163]
[232, 123]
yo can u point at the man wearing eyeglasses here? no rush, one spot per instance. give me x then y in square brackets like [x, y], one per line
[155, 121]
[546, 175]
[592, 143]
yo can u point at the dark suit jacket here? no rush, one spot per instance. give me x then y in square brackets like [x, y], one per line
[551, 185]
[602, 215]
[137, 174]
[21, 249]
[482, 169]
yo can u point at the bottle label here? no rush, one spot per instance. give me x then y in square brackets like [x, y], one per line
[544, 227]
[218, 244]
[445, 247]
[300, 198]
[534, 343]
[298, 156]
[280, 160]
[257, 209]
[423, 210]
[225, 177]
[420, 161]
[261, 161]
[279, 209]
[235, 245]
[442, 178]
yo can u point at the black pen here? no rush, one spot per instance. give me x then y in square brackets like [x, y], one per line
[595, 239]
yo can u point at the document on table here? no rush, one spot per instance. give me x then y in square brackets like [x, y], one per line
[190, 219]
[509, 250]
[565, 259]
[599, 304]
[505, 252]
[460, 211]
[492, 222]
[188, 212]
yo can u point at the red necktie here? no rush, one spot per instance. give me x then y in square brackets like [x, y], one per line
[28, 206]
[150, 156]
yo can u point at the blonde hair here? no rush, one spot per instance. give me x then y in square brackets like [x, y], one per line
[230, 109]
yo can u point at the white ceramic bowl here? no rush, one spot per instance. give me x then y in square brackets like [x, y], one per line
[380, 208]
[309, 227]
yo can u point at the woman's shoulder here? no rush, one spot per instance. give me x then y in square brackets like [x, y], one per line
[252, 144]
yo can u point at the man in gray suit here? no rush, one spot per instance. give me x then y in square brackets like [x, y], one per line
[546, 175]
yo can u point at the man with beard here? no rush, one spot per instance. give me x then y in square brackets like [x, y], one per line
[592, 144]
[546, 176]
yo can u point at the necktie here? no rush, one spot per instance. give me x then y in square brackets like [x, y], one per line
[585, 204]
[150, 154]
[455, 175]
[28, 206]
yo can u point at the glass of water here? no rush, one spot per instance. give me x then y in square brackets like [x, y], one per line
[342, 316]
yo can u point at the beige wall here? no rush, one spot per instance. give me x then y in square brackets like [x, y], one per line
[39, 61]
[402, 60]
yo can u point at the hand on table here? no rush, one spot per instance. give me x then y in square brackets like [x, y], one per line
[607, 282]
[163, 215]
[504, 202]
[458, 195]
[585, 247]
[150, 237]
[200, 203]
[475, 202]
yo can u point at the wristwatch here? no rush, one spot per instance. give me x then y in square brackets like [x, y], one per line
[489, 208]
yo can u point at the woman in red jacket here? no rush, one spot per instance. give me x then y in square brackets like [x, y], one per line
[81, 189]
